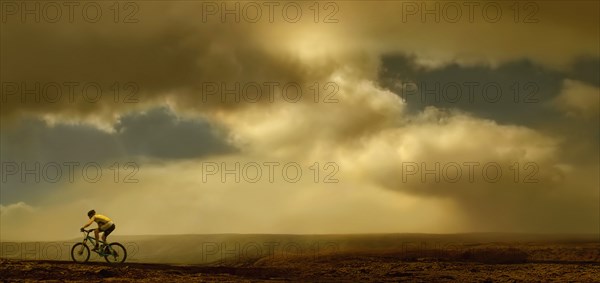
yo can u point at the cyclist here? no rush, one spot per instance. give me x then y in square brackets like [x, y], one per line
[105, 225]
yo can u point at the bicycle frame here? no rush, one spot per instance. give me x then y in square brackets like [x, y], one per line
[92, 240]
[111, 252]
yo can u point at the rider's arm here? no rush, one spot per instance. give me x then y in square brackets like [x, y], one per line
[89, 223]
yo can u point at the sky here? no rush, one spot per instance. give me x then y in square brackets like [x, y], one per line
[300, 117]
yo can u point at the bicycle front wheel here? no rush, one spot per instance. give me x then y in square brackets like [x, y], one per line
[115, 253]
[80, 253]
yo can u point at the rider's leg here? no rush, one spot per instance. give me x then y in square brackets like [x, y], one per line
[96, 232]
[107, 232]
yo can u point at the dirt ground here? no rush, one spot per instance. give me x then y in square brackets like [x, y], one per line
[341, 267]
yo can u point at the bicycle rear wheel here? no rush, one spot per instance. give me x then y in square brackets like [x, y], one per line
[115, 253]
[80, 253]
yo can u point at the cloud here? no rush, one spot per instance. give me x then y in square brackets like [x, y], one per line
[579, 99]
[13, 217]
[368, 130]
[392, 29]
[146, 134]
[16, 208]
[170, 60]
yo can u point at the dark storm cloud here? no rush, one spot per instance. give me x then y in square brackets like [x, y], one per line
[586, 70]
[171, 52]
[160, 134]
[534, 105]
[515, 92]
[169, 55]
[368, 132]
[155, 134]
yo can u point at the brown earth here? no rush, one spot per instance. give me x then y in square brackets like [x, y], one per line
[317, 258]
[473, 266]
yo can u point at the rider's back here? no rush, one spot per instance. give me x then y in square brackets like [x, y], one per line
[101, 219]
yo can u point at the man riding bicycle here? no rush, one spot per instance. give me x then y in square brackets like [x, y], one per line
[105, 225]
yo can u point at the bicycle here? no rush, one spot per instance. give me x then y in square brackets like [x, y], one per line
[112, 253]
